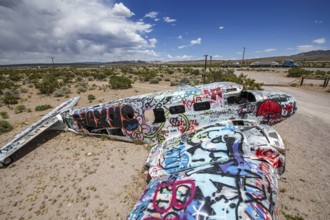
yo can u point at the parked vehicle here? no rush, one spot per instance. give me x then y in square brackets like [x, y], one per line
[264, 64]
[289, 63]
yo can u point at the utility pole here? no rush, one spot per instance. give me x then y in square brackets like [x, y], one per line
[243, 56]
[205, 67]
[210, 63]
[53, 62]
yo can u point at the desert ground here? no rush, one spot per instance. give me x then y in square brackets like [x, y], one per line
[68, 176]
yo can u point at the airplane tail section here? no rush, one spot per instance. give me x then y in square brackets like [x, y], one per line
[51, 121]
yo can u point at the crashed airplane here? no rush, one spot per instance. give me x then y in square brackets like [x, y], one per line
[214, 156]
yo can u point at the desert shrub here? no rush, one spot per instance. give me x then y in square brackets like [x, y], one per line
[91, 97]
[34, 76]
[81, 89]
[48, 84]
[93, 87]
[4, 115]
[196, 82]
[169, 71]
[321, 74]
[167, 79]
[292, 217]
[195, 72]
[99, 75]
[184, 81]
[5, 84]
[154, 81]
[10, 96]
[147, 75]
[79, 79]
[298, 72]
[20, 109]
[173, 83]
[227, 75]
[61, 92]
[43, 107]
[5, 126]
[24, 90]
[82, 86]
[120, 82]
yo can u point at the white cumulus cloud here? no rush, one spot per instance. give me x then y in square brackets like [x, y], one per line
[184, 57]
[152, 15]
[120, 9]
[192, 43]
[269, 50]
[183, 46]
[169, 20]
[306, 48]
[71, 31]
[153, 42]
[319, 40]
[197, 41]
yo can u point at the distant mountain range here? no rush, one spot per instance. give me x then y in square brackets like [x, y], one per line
[317, 55]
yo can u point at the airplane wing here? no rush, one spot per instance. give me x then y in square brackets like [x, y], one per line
[49, 121]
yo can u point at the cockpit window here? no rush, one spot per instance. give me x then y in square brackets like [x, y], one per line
[244, 97]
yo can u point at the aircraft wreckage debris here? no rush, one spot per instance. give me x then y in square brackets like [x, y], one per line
[214, 156]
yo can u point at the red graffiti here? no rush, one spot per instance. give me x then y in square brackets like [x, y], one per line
[270, 156]
[189, 103]
[270, 109]
[289, 108]
[176, 195]
[216, 92]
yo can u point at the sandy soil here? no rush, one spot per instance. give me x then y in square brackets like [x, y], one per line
[68, 176]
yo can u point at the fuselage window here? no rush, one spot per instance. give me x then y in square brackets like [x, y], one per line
[159, 115]
[177, 109]
[201, 106]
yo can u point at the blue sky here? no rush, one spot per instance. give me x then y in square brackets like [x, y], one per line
[93, 30]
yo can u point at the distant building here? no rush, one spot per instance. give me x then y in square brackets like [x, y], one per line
[264, 64]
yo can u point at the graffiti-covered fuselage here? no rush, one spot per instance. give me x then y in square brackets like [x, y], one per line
[152, 118]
